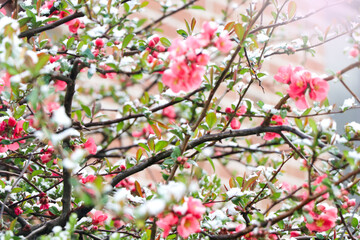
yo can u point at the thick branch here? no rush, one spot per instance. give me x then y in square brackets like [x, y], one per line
[32, 32]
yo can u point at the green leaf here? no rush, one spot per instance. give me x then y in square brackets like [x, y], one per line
[164, 41]
[12, 224]
[299, 123]
[313, 125]
[19, 111]
[182, 33]
[197, 7]
[283, 113]
[259, 75]
[309, 219]
[86, 110]
[211, 163]
[144, 4]
[354, 222]
[193, 23]
[160, 145]
[143, 145]
[17, 189]
[43, 60]
[36, 172]
[211, 119]
[127, 40]
[54, 210]
[176, 153]
[126, 7]
[25, 126]
[70, 42]
[239, 30]
[291, 9]
[87, 53]
[307, 111]
[119, 126]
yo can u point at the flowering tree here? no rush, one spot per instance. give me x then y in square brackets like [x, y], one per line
[84, 113]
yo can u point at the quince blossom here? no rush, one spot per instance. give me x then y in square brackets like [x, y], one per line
[299, 81]
[324, 218]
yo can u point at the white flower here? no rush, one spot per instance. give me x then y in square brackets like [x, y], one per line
[59, 117]
[349, 102]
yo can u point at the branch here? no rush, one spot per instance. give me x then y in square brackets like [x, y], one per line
[165, 16]
[30, 33]
[281, 216]
[70, 89]
[296, 18]
[9, 211]
[315, 45]
[109, 122]
[207, 138]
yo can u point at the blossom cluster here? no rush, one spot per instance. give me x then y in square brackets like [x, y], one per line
[10, 130]
[235, 123]
[300, 80]
[186, 217]
[73, 25]
[188, 58]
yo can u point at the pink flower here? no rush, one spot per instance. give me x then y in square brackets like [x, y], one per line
[223, 43]
[188, 225]
[178, 48]
[137, 134]
[54, 58]
[166, 223]
[352, 202]
[90, 146]
[13, 147]
[74, 25]
[110, 75]
[297, 88]
[299, 83]
[45, 158]
[208, 31]
[319, 179]
[98, 218]
[320, 189]
[3, 11]
[240, 227]
[195, 207]
[60, 85]
[354, 52]
[12, 122]
[169, 112]
[241, 111]
[284, 74]
[51, 106]
[318, 89]
[18, 211]
[235, 124]
[275, 121]
[181, 78]
[99, 43]
[323, 221]
[5, 81]
[44, 206]
[89, 178]
[202, 59]
[294, 234]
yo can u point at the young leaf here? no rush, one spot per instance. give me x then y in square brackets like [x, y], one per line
[211, 119]
[291, 9]
[239, 30]
[127, 40]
